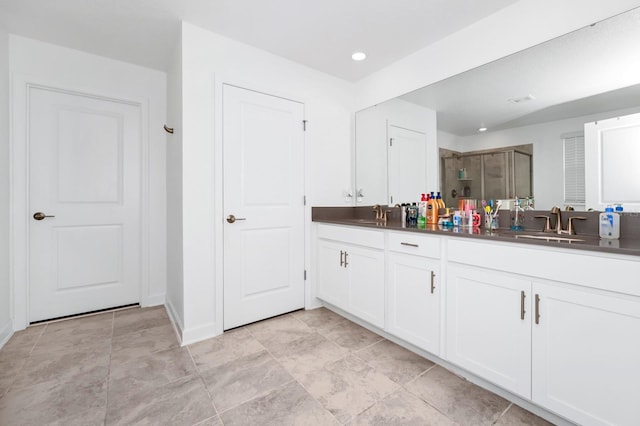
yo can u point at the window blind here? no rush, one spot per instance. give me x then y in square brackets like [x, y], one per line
[573, 148]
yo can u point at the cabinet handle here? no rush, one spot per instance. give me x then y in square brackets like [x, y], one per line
[409, 244]
[345, 259]
[537, 309]
[522, 311]
[341, 257]
[433, 285]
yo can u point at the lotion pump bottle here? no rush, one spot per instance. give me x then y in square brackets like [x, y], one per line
[609, 224]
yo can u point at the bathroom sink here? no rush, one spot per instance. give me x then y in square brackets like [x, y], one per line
[367, 221]
[550, 238]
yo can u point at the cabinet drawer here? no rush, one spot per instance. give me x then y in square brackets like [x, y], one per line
[348, 234]
[411, 243]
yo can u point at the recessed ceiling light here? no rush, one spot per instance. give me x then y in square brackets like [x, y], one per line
[482, 129]
[359, 56]
[521, 99]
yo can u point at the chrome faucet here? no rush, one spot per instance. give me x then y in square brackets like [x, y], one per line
[558, 229]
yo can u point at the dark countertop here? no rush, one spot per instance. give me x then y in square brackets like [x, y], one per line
[363, 217]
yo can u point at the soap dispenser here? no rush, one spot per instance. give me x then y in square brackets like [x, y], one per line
[609, 224]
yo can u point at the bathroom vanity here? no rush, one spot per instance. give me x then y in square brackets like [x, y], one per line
[552, 322]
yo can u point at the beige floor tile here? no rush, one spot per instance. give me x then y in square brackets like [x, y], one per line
[282, 329]
[212, 421]
[22, 342]
[288, 405]
[318, 319]
[243, 379]
[132, 345]
[53, 400]
[225, 348]
[92, 417]
[10, 366]
[136, 319]
[517, 416]
[181, 402]
[347, 387]
[64, 366]
[350, 335]
[307, 354]
[68, 335]
[394, 361]
[402, 408]
[459, 399]
[148, 371]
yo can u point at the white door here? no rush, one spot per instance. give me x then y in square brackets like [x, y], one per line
[585, 355]
[489, 326]
[84, 172]
[263, 145]
[407, 161]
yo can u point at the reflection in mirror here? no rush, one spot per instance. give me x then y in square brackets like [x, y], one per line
[542, 97]
[495, 174]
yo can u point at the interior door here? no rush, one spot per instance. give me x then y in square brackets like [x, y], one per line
[407, 165]
[84, 203]
[263, 145]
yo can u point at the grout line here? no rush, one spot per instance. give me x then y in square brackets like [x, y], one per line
[206, 388]
[503, 413]
[106, 410]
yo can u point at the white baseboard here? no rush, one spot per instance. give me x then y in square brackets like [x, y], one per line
[197, 334]
[6, 331]
[175, 320]
[154, 300]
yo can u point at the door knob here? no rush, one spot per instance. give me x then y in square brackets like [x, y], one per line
[40, 216]
[231, 218]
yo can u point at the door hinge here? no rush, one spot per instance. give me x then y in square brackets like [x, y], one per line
[305, 274]
[304, 200]
[390, 141]
[304, 125]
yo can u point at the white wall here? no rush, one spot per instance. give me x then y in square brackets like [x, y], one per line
[175, 286]
[514, 28]
[548, 161]
[5, 296]
[208, 61]
[39, 62]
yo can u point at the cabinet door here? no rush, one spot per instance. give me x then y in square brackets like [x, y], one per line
[586, 355]
[414, 300]
[365, 267]
[486, 332]
[332, 276]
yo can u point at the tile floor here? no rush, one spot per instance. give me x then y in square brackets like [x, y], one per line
[307, 368]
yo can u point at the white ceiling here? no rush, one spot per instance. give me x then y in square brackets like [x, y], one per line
[578, 74]
[321, 34]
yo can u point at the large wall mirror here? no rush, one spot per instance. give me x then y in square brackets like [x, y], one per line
[541, 97]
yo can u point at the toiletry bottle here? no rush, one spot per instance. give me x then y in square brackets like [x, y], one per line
[422, 209]
[456, 218]
[440, 200]
[517, 216]
[609, 224]
[432, 210]
[403, 212]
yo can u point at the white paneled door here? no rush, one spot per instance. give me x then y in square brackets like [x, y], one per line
[263, 143]
[84, 203]
[406, 151]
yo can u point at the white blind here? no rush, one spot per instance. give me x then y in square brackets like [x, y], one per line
[573, 169]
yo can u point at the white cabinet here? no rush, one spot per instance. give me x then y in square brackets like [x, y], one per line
[413, 290]
[350, 275]
[586, 355]
[488, 328]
